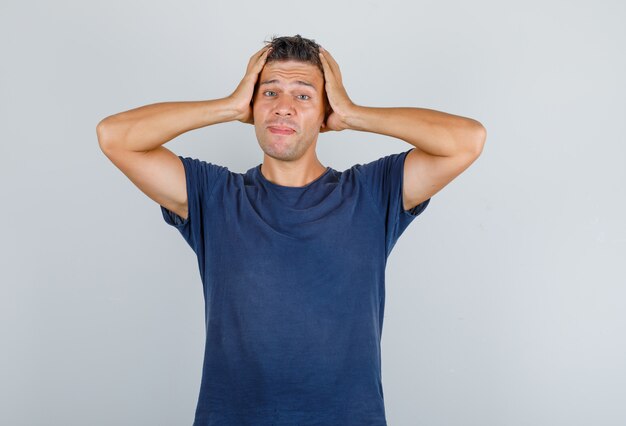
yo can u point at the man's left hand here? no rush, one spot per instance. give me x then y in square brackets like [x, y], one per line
[340, 103]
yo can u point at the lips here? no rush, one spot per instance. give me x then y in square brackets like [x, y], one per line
[281, 130]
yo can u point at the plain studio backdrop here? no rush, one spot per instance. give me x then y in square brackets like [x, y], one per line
[505, 298]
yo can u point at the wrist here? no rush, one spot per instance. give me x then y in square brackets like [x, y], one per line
[352, 117]
[231, 110]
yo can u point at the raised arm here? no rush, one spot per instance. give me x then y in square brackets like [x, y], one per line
[133, 139]
[445, 144]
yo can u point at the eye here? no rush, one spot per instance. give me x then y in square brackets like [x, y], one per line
[268, 91]
[308, 97]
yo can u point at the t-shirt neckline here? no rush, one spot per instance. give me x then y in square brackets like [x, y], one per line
[275, 185]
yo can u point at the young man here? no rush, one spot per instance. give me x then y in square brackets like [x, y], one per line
[291, 253]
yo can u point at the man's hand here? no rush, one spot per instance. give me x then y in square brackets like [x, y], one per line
[241, 98]
[340, 103]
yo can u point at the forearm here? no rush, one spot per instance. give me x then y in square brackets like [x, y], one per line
[436, 133]
[150, 126]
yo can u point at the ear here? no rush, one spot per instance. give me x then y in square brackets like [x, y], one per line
[324, 125]
[327, 114]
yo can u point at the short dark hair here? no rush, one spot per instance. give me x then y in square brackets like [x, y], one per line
[295, 48]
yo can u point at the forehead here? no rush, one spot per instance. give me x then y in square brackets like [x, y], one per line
[291, 72]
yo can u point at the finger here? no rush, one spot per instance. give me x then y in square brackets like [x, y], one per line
[327, 69]
[263, 57]
[334, 66]
[258, 54]
[257, 61]
[263, 50]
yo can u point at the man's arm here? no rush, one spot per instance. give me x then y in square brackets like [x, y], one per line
[445, 144]
[148, 127]
[133, 139]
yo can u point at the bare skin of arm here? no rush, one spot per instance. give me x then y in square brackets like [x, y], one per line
[133, 139]
[445, 144]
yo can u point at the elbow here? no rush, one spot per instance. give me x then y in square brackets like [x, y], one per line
[107, 134]
[100, 126]
[477, 138]
[472, 140]
[101, 133]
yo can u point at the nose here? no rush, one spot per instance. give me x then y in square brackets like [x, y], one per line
[284, 106]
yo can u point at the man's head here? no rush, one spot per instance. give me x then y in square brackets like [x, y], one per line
[290, 93]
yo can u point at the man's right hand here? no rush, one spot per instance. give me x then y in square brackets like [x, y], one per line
[241, 98]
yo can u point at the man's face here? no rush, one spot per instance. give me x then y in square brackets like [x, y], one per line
[290, 96]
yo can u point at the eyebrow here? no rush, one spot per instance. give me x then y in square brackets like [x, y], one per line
[300, 82]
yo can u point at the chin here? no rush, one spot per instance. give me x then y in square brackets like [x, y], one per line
[288, 153]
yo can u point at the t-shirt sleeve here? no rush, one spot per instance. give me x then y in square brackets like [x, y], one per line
[383, 179]
[201, 178]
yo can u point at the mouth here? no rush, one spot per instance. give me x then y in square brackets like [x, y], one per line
[281, 130]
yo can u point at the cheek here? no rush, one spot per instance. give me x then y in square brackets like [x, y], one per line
[257, 106]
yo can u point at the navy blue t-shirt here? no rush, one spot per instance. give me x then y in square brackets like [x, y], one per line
[294, 290]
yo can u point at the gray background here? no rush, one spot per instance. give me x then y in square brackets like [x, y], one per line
[505, 298]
